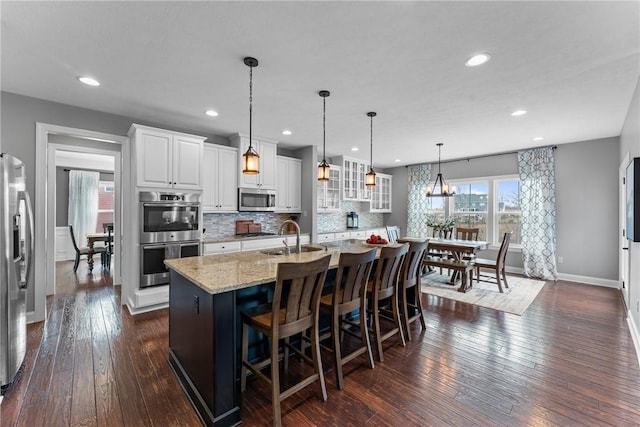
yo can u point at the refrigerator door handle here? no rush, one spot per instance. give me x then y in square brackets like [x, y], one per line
[24, 195]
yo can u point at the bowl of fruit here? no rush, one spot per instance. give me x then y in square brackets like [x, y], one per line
[376, 240]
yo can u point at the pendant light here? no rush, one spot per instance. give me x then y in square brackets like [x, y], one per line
[370, 178]
[440, 188]
[250, 159]
[323, 167]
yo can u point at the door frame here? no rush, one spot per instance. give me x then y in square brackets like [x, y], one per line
[623, 246]
[44, 273]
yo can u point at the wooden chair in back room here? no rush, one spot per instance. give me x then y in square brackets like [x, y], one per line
[83, 250]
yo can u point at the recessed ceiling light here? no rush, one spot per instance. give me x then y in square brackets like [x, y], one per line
[519, 113]
[396, 160]
[89, 81]
[354, 149]
[478, 59]
[286, 132]
[538, 138]
[211, 113]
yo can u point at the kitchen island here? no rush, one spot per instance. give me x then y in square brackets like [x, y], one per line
[205, 296]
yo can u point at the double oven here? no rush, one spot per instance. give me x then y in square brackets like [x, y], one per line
[169, 228]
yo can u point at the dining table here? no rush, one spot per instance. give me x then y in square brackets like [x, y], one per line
[458, 249]
[92, 238]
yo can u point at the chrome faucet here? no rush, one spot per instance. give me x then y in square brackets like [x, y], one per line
[289, 221]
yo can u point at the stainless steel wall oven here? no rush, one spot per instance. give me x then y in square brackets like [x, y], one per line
[169, 229]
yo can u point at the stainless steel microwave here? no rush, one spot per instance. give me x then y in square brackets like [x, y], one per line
[255, 200]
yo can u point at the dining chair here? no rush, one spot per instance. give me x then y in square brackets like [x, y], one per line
[382, 295]
[347, 297]
[410, 282]
[467, 233]
[106, 261]
[294, 310]
[498, 266]
[83, 250]
[393, 233]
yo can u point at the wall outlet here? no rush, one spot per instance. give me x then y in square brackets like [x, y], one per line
[560, 260]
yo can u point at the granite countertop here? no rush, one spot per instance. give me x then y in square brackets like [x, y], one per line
[346, 230]
[240, 237]
[226, 272]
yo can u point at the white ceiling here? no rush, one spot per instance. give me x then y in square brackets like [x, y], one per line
[572, 65]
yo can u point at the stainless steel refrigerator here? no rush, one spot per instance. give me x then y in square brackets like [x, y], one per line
[16, 255]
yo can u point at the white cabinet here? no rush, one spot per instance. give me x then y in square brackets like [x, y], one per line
[221, 248]
[219, 179]
[329, 191]
[166, 159]
[353, 179]
[381, 194]
[266, 149]
[345, 235]
[289, 185]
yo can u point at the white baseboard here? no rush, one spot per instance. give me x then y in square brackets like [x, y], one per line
[590, 280]
[634, 334]
[576, 278]
[145, 300]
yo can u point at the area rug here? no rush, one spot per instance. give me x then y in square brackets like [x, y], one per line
[515, 299]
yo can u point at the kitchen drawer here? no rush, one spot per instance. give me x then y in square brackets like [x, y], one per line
[343, 236]
[253, 245]
[358, 235]
[326, 237]
[220, 248]
[291, 240]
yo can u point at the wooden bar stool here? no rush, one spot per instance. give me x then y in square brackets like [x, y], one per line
[410, 281]
[302, 283]
[349, 295]
[383, 287]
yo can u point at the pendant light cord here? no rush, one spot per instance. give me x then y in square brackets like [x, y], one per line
[324, 146]
[250, 102]
[371, 149]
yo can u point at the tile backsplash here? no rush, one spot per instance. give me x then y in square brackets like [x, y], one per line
[334, 221]
[223, 225]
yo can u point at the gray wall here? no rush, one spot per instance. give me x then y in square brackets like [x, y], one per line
[630, 143]
[586, 203]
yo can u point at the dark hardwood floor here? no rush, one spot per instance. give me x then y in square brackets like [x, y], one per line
[569, 360]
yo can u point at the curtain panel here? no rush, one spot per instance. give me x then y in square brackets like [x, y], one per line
[538, 206]
[417, 202]
[83, 203]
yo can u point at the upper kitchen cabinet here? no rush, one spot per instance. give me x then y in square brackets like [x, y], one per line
[166, 159]
[289, 185]
[381, 194]
[329, 192]
[353, 179]
[267, 151]
[219, 179]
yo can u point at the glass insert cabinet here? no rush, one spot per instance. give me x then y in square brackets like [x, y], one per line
[329, 191]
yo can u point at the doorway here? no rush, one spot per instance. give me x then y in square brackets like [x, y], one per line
[623, 242]
[51, 139]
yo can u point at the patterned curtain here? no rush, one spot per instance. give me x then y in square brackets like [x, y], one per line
[417, 203]
[538, 205]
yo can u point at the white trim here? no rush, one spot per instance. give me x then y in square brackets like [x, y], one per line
[608, 283]
[45, 227]
[31, 317]
[635, 336]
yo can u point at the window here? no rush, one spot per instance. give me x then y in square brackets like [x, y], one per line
[507, 209]
[470, 206]
[105, 204]
[490, 204]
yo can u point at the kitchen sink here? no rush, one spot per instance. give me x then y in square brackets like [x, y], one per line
[284, 251]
